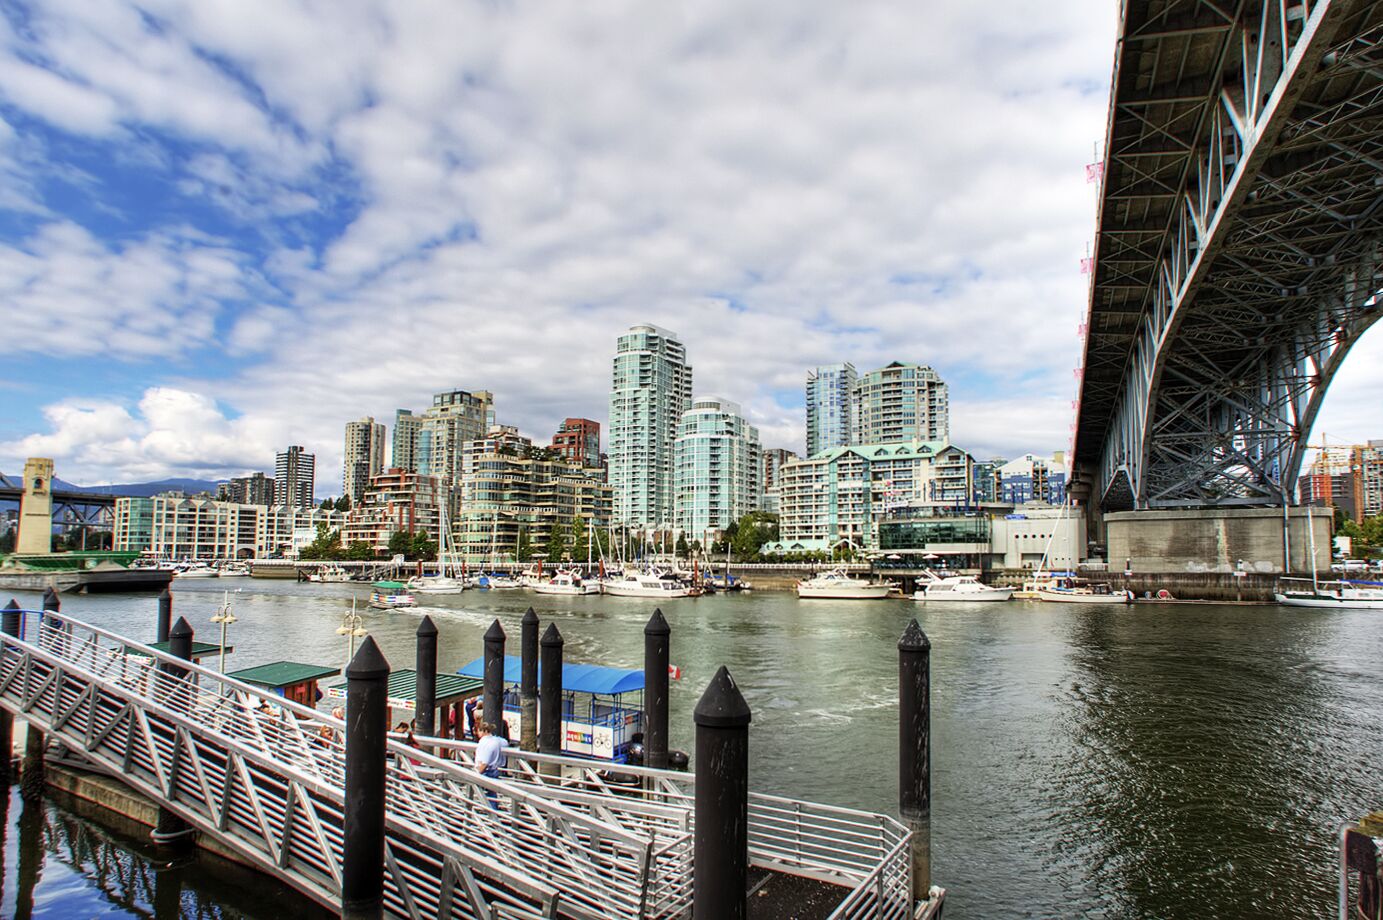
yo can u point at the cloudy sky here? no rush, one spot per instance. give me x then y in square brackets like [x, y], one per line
[231, 225]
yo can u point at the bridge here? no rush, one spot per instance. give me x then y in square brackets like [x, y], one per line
[71, 509]
[265, 777]
[1237, 251]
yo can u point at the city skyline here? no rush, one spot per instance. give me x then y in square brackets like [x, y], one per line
[212, 247]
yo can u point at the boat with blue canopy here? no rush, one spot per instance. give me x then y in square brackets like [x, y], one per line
[602, 707]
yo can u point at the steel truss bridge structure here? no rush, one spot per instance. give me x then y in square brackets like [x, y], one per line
[552, 837]
[84, 510]
[1237, 256]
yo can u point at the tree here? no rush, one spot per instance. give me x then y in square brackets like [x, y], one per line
[422, 547]
[683, 548]
[579, 550]
[400, 543]
[343, 503]
[524, 552]
[326, 505]
[752, 531]
[360, 551]
[556, 543]
[327, 545]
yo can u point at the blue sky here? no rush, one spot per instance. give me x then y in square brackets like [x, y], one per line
[230, 226]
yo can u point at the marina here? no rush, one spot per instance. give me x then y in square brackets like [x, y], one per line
[1124, 700]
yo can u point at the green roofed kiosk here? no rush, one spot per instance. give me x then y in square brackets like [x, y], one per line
[291, 680]
[452, 691]
[200, 650]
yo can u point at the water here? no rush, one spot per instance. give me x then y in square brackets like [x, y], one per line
[1110, 762]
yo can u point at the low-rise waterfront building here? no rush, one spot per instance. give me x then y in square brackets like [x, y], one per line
[838, 496]
[997, 536]
[718, 464]
[1033, 479]
[512, 494]
[397, 500]
[175, 526]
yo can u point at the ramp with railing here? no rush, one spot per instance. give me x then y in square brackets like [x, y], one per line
[554, 836]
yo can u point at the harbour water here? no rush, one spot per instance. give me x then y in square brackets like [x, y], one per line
[1158, 761]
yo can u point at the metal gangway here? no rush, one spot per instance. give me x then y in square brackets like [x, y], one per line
[554, 836]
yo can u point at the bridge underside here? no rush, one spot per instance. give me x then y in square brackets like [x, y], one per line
[1238, 254]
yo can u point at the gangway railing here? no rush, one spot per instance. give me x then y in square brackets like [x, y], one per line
[265, 776]
[864, 852]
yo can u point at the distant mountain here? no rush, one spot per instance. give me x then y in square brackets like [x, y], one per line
[145, 489]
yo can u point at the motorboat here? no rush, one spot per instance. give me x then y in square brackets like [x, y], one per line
[726, 583]
[838, 585]
[235, 570]
[391, 595]
[195, 570]
[644, 584]
[959, 588]
[1040, 580]
[1344, 594]
[568, 583]
[330, 574]
[493, 582]
[1077, 591]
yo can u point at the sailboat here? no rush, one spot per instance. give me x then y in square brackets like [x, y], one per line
[489, 580]
[449, 578]
[1346, 593]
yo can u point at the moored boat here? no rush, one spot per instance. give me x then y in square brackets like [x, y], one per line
[389, 595]
[1077, 591]
[959, 588]
[1347, 594]
[195, 570]
[837, 585]
[568, 583]
[494, 582]
[644, 584]
[330, 574]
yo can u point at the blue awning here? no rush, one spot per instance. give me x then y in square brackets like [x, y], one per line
[579, 678]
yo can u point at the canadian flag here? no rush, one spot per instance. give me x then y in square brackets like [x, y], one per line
[674, 672]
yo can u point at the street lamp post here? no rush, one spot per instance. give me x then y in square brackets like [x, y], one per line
[352, 627]
[224, 618]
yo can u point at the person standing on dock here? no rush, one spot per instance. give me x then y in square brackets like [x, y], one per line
[489, 756]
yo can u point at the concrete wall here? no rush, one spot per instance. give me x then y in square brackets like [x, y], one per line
[1216, 540]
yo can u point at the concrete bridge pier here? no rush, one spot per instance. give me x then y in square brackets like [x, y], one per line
[1254, 540]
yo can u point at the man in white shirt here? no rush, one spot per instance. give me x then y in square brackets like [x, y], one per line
[489, 753]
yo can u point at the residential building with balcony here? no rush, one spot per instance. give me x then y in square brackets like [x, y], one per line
[403, 448]
[254, 489]
[578, 440]
[455, 417]
[295, 474]
[1033, 479]
[174, 526]
[774, 458]
[719, 467]
[898, 404]
[651, 386]
[830, 398]
[364, 457]
[397, 500]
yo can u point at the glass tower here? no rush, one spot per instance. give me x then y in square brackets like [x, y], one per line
[829, 407]
[719, 465]
[650, 389]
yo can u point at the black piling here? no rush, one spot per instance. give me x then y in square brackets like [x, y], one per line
[367, 725]
[426, 677]
[914, 751]
[494, 676]
[656, 644]
[721, 853]
[172, 830]
[528, 683]
[550, 699]
[9, 623]
[165, 614]
[32, 780]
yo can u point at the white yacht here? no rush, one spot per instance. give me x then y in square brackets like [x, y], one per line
[330, 574]
[959, 588]
[195, 570]
[1303, 592]
[837, 585]
[1079, 591]
[644, 584]
[235, 570]
[568, 583]
[436, 584]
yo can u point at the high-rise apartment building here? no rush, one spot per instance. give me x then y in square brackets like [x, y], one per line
[1347, 477]
[396, 501]
[900, 403]
[578, 439]
[254, 489]
[403, 452]
[719, 468]
[364, 453]
[650, 389]
[774, 458]
[295, 473]
[830, 394]
[456, 416]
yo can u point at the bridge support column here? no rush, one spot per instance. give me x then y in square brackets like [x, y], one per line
[721, 850]
[550, 699]
[165, 615]
[914, 752]
[494, 678]
[426, 678]
[528, 682]
[172, 831]
[655, 693]
[367, 726]
[31, 780]
[9, 623]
